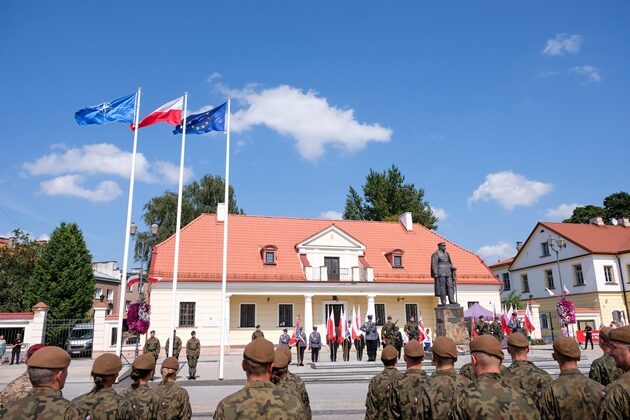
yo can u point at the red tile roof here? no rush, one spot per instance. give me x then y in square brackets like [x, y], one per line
[201, 244]
[501, 263]
[597, 239]
[16, 315]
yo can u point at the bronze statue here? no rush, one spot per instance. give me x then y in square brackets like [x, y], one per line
[443, 272]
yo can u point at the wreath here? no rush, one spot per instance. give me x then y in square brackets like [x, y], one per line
[139, 317]
[566, 311]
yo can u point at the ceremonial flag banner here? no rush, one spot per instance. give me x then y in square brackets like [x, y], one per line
[212, 120]
[421, 334]
[170, 113]
[330, 327]
[529, 320]
[118, 110]
[296, 335]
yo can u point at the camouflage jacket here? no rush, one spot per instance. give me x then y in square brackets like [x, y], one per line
[18, 388]
[257, 334]
[177, 345]
[492, 397]
[405, 391]
[152, 346]
[604, 370]
[41, 404]
[435, 400]
[298, 384]
[193, 347]
[388, 333]
[482, 328]
[494, 329]
[260, 400]
[571, 396]
[468, 371]
[412, 330]
[173, 400]
[105, 404]
[527, 376]
[616, 403]
[143, 400]
[378, 398]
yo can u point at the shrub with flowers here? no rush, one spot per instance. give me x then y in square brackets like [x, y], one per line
[139, 317]
[566, 311]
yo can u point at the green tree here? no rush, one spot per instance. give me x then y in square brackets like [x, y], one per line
[386, 196]
[616, 205]
[17, 263]
[514, 299]
[197, 197]
[63, 276]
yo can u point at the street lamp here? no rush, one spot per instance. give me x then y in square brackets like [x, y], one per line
[556, 244]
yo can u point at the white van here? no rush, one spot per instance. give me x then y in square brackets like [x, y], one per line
[80, 340]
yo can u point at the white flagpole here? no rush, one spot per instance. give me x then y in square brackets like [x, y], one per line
[178, 228]
[223, 332]
[123, 280]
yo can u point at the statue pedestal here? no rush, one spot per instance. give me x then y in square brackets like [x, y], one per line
[450, 323]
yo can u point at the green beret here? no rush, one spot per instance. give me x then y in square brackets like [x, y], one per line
[287, 352]
[620, 335]
[487, 344]
[444, 347]
[50, 357]
[567, 347]
[604, 333]
[280, 359]
[170, 363]
[389, 353]
[144, 362]
[107, 364]
[518, 340]
[259, 350]
[414, 349]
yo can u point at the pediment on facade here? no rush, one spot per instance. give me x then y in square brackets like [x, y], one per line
[331, 237]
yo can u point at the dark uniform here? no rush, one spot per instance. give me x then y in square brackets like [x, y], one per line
[193, 349]
[284, 339]
[359, 345]
[378, 401]
[315, 345]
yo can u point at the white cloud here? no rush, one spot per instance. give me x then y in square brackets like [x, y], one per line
[43, 237]
[590, 73]
[331, 214]
[307, 118]
[70, 185]
[563, 211]
[497, 252]
[510, 190]
[170, 172]
[562, 44]
[439, 213]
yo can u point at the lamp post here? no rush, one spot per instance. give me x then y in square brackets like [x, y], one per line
[143, 239]
[556, 244]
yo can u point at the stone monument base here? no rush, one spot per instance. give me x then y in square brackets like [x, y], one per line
[450, 323]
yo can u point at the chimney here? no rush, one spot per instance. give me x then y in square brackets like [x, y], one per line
[598, 220]
[221, 212]
[624, 221]
[519, 245]
[406, 221]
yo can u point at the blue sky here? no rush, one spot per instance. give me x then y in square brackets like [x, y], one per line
[505, 114]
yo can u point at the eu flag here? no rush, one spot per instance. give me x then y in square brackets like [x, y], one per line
[213, 120]
[118, 110]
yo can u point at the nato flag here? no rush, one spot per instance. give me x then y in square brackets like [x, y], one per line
[118, 110]
[213, 120]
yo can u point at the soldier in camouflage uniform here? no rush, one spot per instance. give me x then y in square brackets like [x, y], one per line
[412, 329]
[603, 369]
[47, 370]
[257, 334]
[378, 398]
[296, 381]
[434, 401]
[495, 330]
[405, 390]
[20, 386]
[103, 402]
[280, 369]
[490, 396]
[468, 371]
[174, 400]
[616, 403]
[388, 333]
[572, 395]
[177, 346]
[144, 401]
[152, 346]
[260, 398]
[522, 373]
[482, 327]
[193, 348]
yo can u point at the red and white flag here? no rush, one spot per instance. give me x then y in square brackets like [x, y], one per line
[529, 321]
[504, 322]
[473, 333]
[296, 334]
[355, 331]
[421, 334]
[136, 279]
[170, 113]
[342, 327]
[330, 327]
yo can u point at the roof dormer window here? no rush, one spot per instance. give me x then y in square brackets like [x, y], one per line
[268, 254]
[395, 258]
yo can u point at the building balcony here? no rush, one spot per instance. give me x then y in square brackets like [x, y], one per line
[344, 274]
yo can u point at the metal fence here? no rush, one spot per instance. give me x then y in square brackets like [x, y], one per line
[76, 336]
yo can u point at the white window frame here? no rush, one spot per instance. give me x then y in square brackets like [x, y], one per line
[98, 291]
[255, 314]
[578, 274]
[609, 274]
[110, 295]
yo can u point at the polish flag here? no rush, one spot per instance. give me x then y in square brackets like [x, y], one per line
[296, 335]
[421, 334]
[473, 333]
[354, 329]
[342, 327]
[330, 327]
[529, 324]
[170, 113]
[504, 322]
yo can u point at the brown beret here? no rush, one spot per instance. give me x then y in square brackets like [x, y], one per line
[487, 344]
[604, 333]
[517, 340]
[445, 347]
[567, 347]
[389, 353]
[287, 352]
[620, 335]
[414, 349]
[107, 364]
[259, 350]
[280, 359]
[32, 349]
[170, 363]
[50, 357]
[144, 362]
